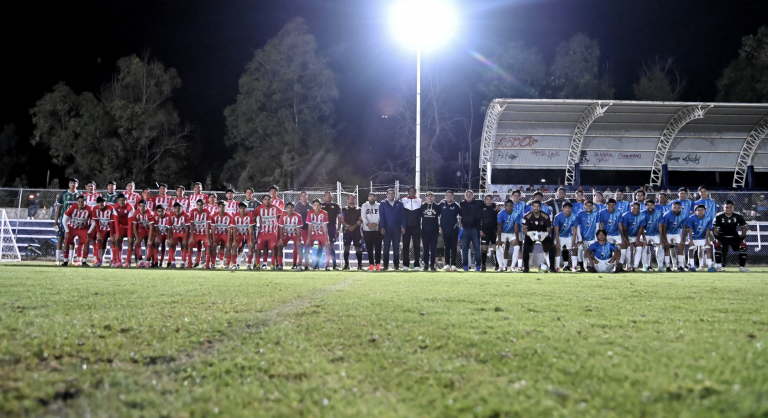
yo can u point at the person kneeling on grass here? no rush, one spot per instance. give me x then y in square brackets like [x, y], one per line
[602, 255]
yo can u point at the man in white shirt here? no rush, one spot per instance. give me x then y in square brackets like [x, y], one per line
[371, 233]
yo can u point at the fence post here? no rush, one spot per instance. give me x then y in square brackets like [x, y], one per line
[338, 192]
[397, 189]
[18, 211]
[371, 189]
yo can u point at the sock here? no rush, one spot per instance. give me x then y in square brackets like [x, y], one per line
[66, 253]
[622, 254]
[58, 255]
[96, 252]
[709, 262]
[680, 260]
[346, 257]
[162, 255]
[359, 256]
[250, 258]
[500, 258]
[580, 256]
[483, 258]
[667, 260]
[208, 256]
[265, 257]
[516, 257]
[558, 259]
[638, 256]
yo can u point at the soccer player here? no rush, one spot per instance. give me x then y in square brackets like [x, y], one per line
[250, 203]
[537, 197]
[180, 234]
[197, 193]
[180, 199]
[632, 226]
[303, 208]
[622, 206]
[91, 194]
[430, 230]
[267, 217]
[686, 204]
[142, 232]
[653, 218]
[111, 196]
[162, 227]
[200, 234]
[163, 199]
[318, 232]
[212, 206]
[556, 203]
[663, 206]
[290, 224]
[672, 231]
[508, 226]
[222, 231]
[598, 202]
[104, 215]
[518, 206]
[537, 221]
[449, 227]
[78, 224]
[371, 234]
[578, 203]
[412, 210]
[244, 222]
[726, 226]
[587, 225]
[609, 219]
[602, 254]
[333, 210]
[639, 196]
[66, 199]
[131, 197]
[350, 220]
[274, 199]
[231, 203]
[709, 213]
[149, 201]
[123, 230]
[698, 226]
[564, 226]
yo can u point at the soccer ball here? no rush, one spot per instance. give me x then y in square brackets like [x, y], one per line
[544, 268]
[537, 236]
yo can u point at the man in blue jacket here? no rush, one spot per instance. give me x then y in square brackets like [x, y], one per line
[392, 224]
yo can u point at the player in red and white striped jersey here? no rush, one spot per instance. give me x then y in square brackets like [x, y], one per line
[244, 222]
[317, 219]
[123, 229]
[290, 230]
[181, 199]
[231, 203]
[104, 216]
[149, 201]
[275, 200]
[200, 228]
[163, 198]
[180, 233]
[197, 193]
[91, 194]
[78, 224]
[142, 232]
[211, 205]
[131, 197]
[267, 217]
[162, 228]
[221, 224]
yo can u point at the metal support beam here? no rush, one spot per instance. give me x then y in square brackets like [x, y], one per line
[748, 150]
[488, 143]
[675, 124]
[593, 112]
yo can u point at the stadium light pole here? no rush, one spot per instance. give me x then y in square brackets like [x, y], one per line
[421, 24]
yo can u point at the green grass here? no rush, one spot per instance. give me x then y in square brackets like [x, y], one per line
[106, 342]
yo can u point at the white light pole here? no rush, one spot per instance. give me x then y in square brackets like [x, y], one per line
[421, 23]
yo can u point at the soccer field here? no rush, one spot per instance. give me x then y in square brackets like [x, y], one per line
[117, 342]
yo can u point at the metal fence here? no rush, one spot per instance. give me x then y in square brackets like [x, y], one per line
[39, 204]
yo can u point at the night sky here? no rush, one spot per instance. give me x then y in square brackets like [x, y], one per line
[210, 42]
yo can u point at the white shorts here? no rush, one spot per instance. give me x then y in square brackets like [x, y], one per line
[566, 242]
[507, 237]
[653, 239]
[675, 239]
[603, 266]
[632, 240]
[588, 243]
[699, 242]
[614, 239]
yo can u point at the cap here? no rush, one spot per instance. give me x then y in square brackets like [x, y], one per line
[371, 194]
[430, 194]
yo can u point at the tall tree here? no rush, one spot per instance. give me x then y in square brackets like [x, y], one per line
[282, 121]
[746, 78]
[659, 82]
[576, 70]
[515, 71]
[8, 140]
[131, 132]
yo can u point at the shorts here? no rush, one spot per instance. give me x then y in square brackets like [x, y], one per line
[632, 240]
[699, 242]
[566, 242]
[178, 238]
[240, 238]
[507, 237]
[104, 235]
[199, 238]
[305, 235]
[489, 238]
[123, 231]
[321, 240]
[92, 235]
[603, 266]
[675, 239]
[266, 241]
[61, 232]
[81, 234]
[142, 233]
[588, 243]
[352, 238]
[161, 238]
[289, 238]
[220, 239]
[653, 239]
[614, 239]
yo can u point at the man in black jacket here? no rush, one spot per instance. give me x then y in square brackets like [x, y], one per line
[412, 210]
[430, 229]
[556, 203]
[488, 216]
[470, 222]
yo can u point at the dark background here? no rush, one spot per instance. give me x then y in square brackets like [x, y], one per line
[209, 43]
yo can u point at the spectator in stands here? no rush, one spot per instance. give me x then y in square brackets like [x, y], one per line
[55, 206]
[34, 205]
[530, 189]
[762, 207]
[608, 190]
[627, 190]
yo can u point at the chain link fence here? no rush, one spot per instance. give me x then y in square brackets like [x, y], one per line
[39, 205]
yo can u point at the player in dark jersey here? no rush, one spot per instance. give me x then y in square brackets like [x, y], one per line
[730, 229]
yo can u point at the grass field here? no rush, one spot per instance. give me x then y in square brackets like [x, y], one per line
[106, 342]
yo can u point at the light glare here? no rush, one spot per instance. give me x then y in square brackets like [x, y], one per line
[423, 23]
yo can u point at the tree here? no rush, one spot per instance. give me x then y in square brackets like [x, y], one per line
[131, 132]
[513, 72]
[659, 82]
[8, 140]
[576, 71]
[282, 120]
[746, 78]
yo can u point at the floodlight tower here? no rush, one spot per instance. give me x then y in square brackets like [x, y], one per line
[421, 24]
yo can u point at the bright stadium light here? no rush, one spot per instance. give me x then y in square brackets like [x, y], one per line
[421, 24]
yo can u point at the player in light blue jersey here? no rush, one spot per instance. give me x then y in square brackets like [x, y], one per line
[663, 205]
[587, 226]
[653, 236]
[709, 213]
[508, 226]
[539, 196]
[610, 218]
[699, 227]
[632, 231]
[602, 254]
[598, 202]
[672, 232]
[686, 204]
[621, 205]
[564, 226]
[519, 208]
[578, 205]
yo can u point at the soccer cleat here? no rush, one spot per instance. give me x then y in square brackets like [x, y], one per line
[360, 268]
[404, 268]
[371, 267]
[378, 267]
[720, 269]
[465, 268]
[692, 268]
[645, 269]
[188, 266]
[619, 268]
[170, 266]
[147, 265]
[327, 269]
[84, 264]
[127, 264]
[481, 269]
[662, 270]
[250, 267]
[346, 267]
[97, 264]
[581, 268]
[743, 270]
[712, 269]
[233, 267]
[280, 268]
[681, 269]
[478, 269]
[65, 264]
[417, 268]
[669, 269]
[432, 268]
[197, 264]
[264, 266]
[447, 268]
[592, 269]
